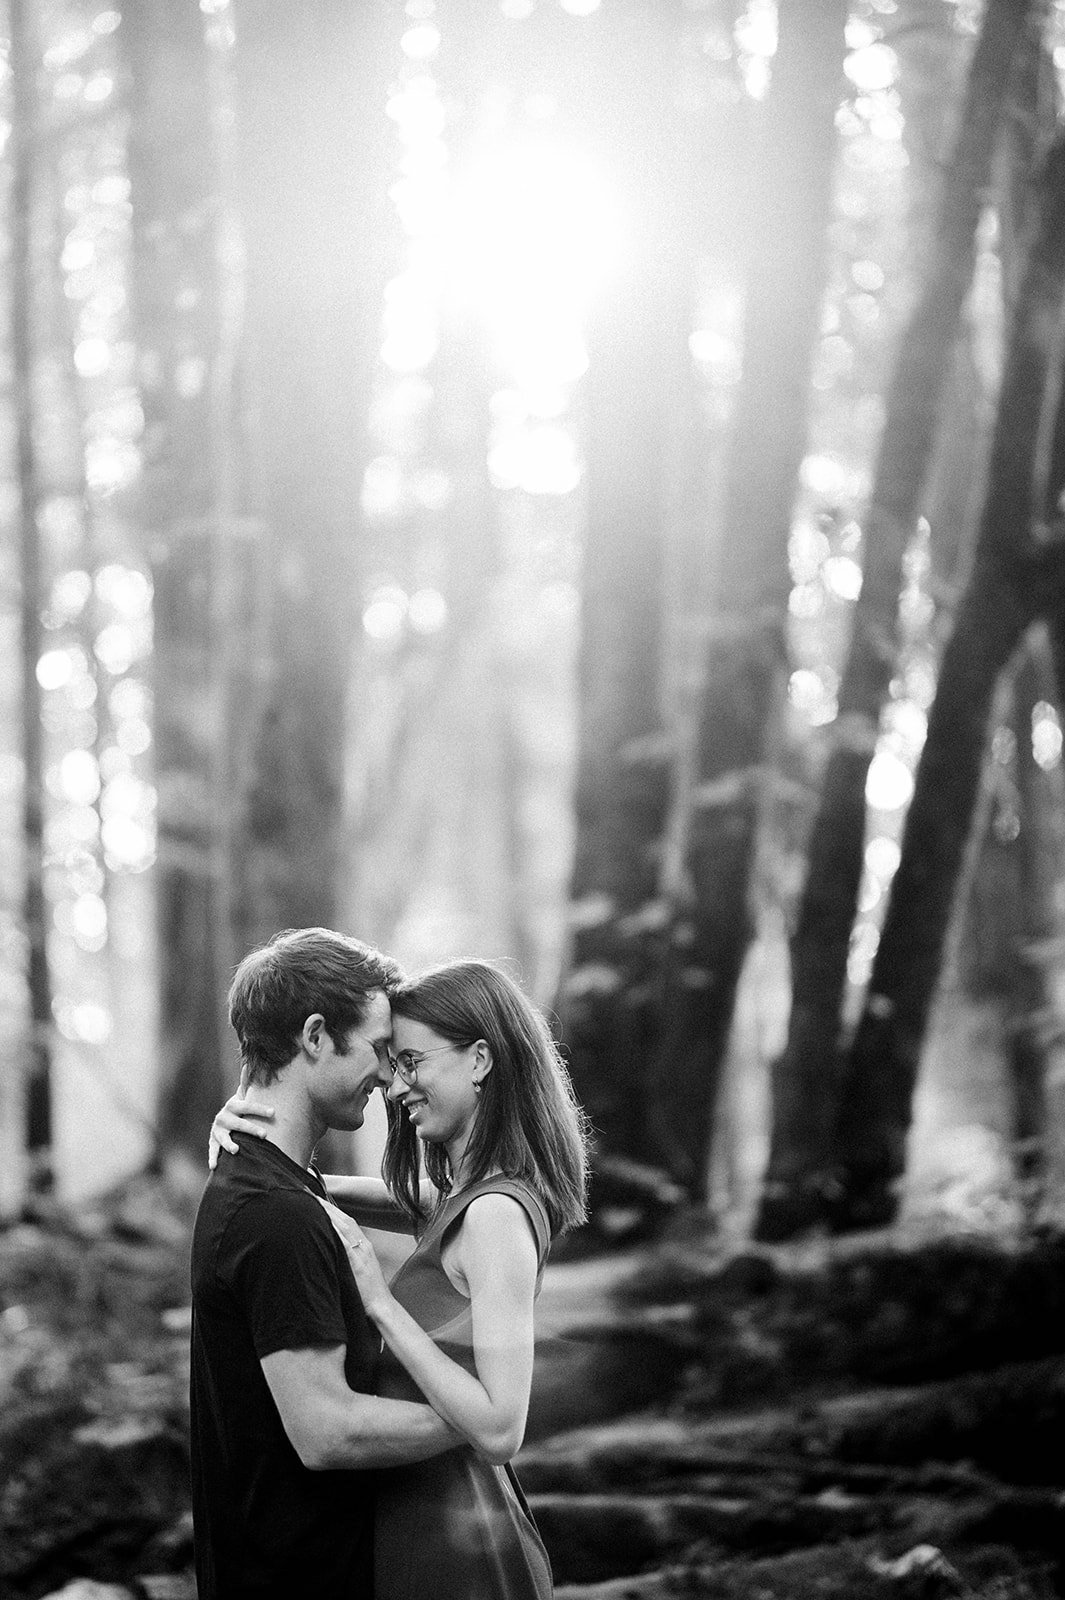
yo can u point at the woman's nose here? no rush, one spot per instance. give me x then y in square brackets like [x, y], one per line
[395, 1086]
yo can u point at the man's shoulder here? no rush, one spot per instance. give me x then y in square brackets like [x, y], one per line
[252, 1191]
[258, 1169]
[241, 1204]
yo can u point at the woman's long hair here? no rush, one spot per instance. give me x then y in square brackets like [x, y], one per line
[528, 1122]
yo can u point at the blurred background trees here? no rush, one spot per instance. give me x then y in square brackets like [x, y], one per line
[554, 479]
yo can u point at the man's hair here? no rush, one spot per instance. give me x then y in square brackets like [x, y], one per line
[529, 1124]
[301, 971]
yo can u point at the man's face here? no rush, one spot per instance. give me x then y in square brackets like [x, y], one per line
[342, 1084]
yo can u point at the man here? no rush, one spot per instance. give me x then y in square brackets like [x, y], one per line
[283, 1423]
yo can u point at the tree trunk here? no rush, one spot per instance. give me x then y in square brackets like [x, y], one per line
[637, 361]
[25, 65]
[1034, 1022]
[1029, 125]
[806, 1077]
[177, 196]
[311, 91]
[1013, 582]
[1009, 941]
[1011, 928]
[746, 662]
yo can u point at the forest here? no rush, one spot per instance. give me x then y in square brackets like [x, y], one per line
[579, 483]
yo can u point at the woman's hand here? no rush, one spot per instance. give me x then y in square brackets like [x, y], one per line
[362, 1258]
[238, 1115]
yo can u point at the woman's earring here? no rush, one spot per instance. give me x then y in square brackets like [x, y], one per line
[477, 1088]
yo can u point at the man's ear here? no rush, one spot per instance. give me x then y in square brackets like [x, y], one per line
[482, 1061]
[311, 1034]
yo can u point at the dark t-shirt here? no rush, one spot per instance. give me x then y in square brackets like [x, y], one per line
[269, 1273]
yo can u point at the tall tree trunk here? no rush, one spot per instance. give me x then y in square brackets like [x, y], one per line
[1011, 927]
[176, 190]
[806, 1077]
[25, 66]
[637, 359]
[1034, 1020]
[1009, 938]
[1029, 126]
[746, 662]
[1016, 578]
[311, 91]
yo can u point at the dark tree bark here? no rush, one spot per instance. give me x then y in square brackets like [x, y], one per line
[637, 361]
[1009, 940]
[746, 661]
[184, 368]
[806, 1078]
[311, 88]
[1011, 926]
[1016, 578]
[1029, 125]
[25, 64]
[1033, 1017]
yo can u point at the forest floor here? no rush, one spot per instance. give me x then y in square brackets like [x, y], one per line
[878, 1419]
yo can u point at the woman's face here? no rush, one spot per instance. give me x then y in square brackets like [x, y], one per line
[441, 1103]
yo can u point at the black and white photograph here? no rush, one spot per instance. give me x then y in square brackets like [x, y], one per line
[532, 800]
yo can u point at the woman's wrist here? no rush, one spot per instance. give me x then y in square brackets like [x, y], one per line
[381, 1310]
[376, 1302]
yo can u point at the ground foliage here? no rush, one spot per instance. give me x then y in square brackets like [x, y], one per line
[871, 1418]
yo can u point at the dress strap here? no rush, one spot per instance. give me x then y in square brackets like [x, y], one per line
[518, 1190]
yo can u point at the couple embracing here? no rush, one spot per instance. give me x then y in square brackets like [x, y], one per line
[351, 1439]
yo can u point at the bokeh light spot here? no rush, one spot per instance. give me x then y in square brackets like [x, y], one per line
[92, 357]
[385, 615]
[1046, 736]
[889, 785]
[875, 66]
[421, 42]
[882, 856]
[79, 777]
[54, 669]
[843, 577]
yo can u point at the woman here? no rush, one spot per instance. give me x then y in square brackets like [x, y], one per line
[479, 1089]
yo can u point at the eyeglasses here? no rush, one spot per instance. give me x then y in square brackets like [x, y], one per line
[407, 1062]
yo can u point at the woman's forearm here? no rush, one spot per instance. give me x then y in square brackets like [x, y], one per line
[494, 1427]
[368, 1200]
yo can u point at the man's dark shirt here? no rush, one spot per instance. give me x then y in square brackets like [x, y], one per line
[269, 1273]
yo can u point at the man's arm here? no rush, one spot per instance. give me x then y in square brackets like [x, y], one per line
[331, 1425]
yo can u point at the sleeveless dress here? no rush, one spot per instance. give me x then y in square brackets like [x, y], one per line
[455, 1527]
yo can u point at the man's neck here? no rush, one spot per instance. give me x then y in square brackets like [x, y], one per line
[294, 1129]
